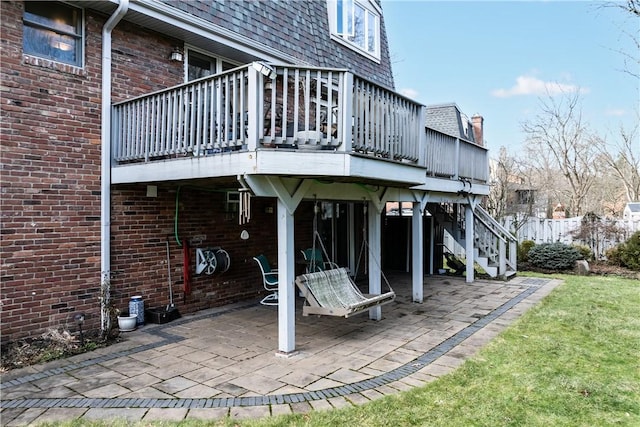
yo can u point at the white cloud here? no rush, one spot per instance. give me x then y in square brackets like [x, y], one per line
[529, 85]
[615, 112]
[409, 93]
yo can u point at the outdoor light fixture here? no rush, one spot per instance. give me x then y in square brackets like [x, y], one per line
[152, 191]
[265, 69]
[79, 318]
[176, 54]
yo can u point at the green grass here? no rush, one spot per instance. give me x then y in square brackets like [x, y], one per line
[572, 360]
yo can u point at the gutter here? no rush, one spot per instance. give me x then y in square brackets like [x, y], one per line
[105, 167]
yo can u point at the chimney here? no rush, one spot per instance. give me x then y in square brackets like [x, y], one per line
[478, 124]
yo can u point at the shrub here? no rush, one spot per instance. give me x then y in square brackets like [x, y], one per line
[523, 250]
[554, 256]
[630, 252]
[585, 251]
[613, 256]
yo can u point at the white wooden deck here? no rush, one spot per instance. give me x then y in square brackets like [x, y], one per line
[305, 122]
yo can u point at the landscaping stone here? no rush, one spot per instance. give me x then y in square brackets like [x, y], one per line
[582, 268]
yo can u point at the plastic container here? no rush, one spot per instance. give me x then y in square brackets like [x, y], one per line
[161, 315]
[127, 323]
[136, 308]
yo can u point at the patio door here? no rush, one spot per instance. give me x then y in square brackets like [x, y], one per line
[336, 226]
[201, 64]
[398, 235]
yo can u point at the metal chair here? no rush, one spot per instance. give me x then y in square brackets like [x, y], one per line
[269, 280]
[455, 264]
[315, 263]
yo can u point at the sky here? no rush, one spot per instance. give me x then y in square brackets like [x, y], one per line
[499, 59]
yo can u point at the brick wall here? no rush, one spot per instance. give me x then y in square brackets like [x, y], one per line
[141, 62]
[50, 195]
[50, 183]
[142, 225]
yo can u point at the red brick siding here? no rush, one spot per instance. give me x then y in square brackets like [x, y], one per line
[50, 172]
[51, 183]
[50, 198]
[142, 225]
[141, 62]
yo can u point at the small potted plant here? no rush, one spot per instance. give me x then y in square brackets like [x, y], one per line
[126, 322]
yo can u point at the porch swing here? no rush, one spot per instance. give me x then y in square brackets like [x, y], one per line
[332, 292]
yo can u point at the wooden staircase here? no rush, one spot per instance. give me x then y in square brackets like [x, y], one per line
[495, 248]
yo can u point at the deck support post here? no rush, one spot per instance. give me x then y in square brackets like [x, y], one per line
[468, 237]
[286, 277]
[417, 252]
[375, 269]
[432, 243]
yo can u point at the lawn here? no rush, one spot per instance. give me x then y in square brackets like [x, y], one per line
[572, 360]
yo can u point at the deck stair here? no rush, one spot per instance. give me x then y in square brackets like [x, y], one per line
[495, 247]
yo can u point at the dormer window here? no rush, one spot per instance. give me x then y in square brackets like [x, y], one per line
[356, 23]
[53, 31]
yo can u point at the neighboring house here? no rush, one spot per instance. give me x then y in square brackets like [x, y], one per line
[524, 200]
[631, 211]
[513, 195]
[559, 212]
[139, 134]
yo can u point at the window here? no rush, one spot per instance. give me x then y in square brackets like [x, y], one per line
[399, 209]
[357, 24]
[200, 65]
[53, 31]
[525, 197]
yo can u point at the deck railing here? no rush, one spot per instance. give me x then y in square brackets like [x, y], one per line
[450, 157]
[205, 116]
[386, 124]
[286, 107]
[494, 241]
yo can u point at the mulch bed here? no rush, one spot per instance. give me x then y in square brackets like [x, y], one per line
[596, 269]
[51, 345]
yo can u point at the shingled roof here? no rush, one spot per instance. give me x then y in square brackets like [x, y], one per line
[634, 207]
[448, 119]
[299, 28]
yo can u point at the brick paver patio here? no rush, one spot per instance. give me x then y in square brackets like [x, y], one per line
[222, 362]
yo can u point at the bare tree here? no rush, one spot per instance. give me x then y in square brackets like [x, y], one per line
[631, 6]
[499, 169]
[631, 58]
[624, 161]
[515, 193]
[557, 140]
[606, 197]
[594, 231]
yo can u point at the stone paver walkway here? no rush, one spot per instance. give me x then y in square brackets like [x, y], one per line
[222, 362]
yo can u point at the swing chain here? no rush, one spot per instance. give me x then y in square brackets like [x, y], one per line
[365, 243]
[316, 235]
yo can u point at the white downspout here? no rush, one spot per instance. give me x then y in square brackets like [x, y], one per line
[105, 168]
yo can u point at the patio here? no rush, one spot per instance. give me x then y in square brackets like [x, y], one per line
[223, 362]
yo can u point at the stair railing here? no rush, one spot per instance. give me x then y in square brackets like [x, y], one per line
[503, 244]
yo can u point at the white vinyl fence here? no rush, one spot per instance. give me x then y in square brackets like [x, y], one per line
[599, 238]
